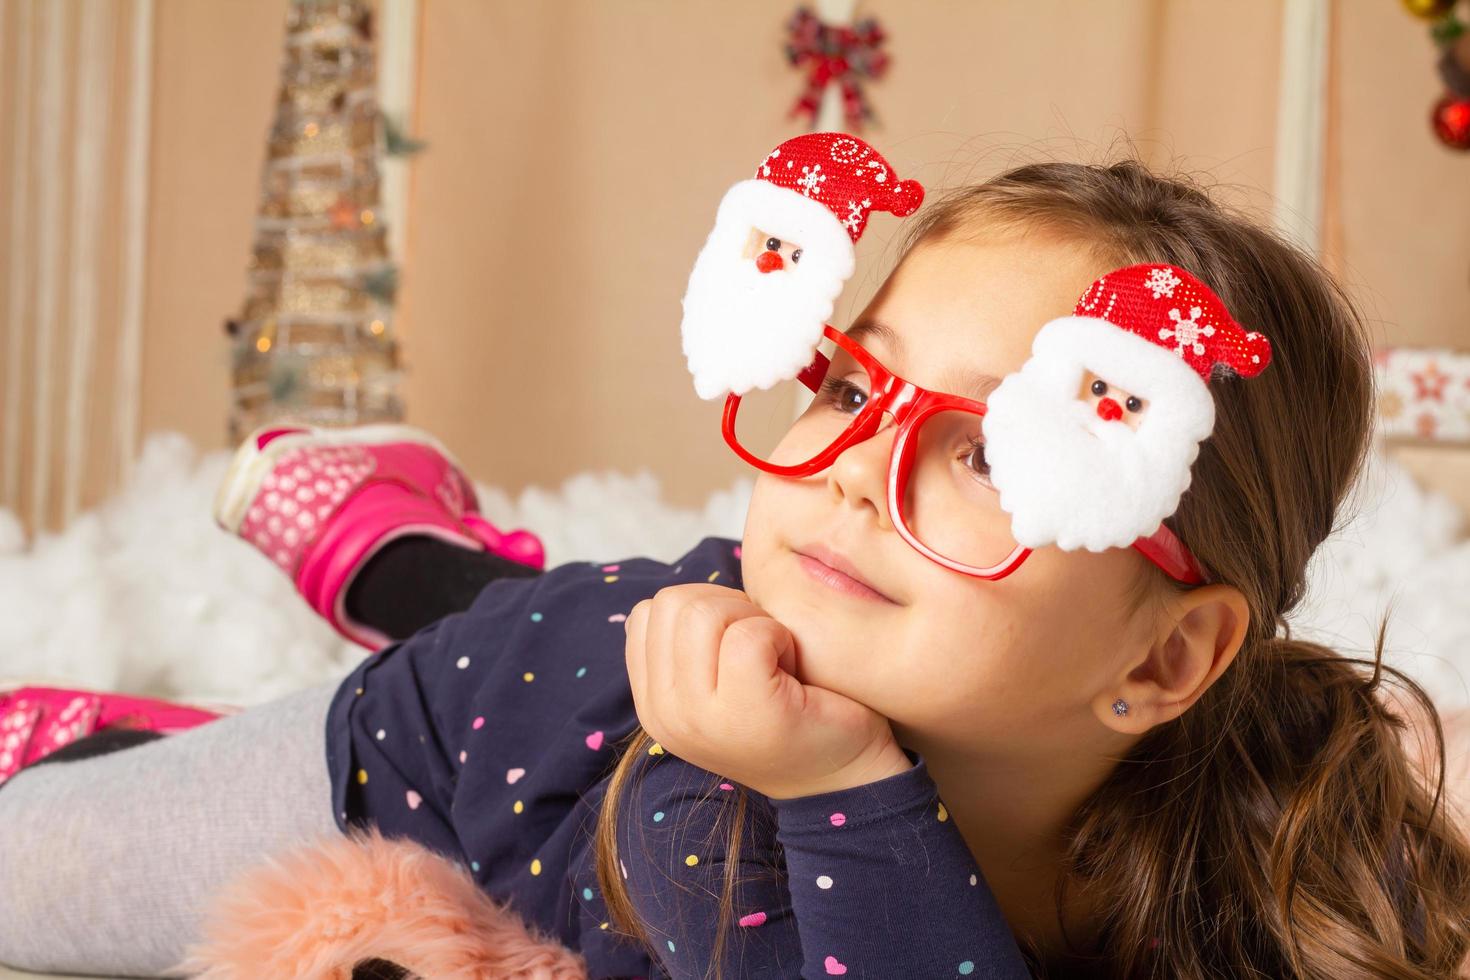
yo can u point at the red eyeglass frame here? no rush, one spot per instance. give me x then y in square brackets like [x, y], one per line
[910, 405]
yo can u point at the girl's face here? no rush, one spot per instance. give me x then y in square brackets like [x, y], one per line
[1020, 665]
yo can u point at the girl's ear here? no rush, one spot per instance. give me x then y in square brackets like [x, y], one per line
[1197, 635]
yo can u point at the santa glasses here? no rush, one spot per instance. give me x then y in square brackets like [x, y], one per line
[938, 487]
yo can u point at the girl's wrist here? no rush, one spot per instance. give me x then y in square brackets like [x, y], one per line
[888, 761]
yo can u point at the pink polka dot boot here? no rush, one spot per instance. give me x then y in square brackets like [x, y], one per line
[36, 720]
[321, 502]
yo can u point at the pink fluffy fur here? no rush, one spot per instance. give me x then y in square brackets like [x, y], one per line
[317, 910]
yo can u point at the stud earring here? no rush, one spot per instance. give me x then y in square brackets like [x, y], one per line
[1120, 707]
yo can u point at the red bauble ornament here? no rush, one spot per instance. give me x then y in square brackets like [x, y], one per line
[1429, 9]
[1451, 119]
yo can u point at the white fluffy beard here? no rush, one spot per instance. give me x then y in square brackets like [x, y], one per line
[1068, 478]
[744, 328]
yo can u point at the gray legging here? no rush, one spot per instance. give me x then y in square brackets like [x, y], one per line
[107, 864]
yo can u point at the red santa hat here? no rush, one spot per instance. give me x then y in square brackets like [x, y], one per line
[819, 189]
[1168, 307]
[1156, 330]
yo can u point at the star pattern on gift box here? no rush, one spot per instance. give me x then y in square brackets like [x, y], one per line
[1424, 393]
[1430, 383]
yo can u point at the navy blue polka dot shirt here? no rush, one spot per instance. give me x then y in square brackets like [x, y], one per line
[489, 735]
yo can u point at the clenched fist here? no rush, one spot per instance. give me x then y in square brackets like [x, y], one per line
[713, 680]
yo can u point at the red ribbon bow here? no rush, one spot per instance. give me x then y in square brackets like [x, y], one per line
[835, 54]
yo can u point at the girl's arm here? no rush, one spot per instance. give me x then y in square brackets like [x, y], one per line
[883, 885]
[874, 883]
[673, 827]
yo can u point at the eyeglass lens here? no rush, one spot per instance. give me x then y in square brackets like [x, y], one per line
[947, 502]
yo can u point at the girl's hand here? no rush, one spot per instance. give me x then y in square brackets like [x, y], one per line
[712, 679]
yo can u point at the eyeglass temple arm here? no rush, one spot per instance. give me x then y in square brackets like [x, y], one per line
[1165, 550]
[813, 373]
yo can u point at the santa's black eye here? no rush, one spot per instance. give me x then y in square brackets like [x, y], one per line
[773, 244]
[796, 256]
[1133, 404]
[1099, 387]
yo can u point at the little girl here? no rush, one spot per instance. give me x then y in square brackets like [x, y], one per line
[1086, 767]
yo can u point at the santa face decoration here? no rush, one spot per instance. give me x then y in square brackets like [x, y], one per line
[772, 254]
[1090, 443]
[781, 250]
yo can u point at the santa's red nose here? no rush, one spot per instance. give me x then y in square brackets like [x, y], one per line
[1109, 410]
[769, 261]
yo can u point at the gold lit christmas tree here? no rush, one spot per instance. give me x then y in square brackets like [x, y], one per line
[315, 342]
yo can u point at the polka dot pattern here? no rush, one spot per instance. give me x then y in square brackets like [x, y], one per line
[464, 740]
[298, 496]
[16, 728]
[36, 721]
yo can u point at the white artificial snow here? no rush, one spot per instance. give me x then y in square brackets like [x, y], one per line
[147, 595]
[1404, 553]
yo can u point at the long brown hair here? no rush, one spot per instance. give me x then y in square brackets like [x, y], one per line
[1280, 827]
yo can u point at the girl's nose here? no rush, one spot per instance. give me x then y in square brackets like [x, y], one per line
[860, 473]
[769, 261]
[1109, 410]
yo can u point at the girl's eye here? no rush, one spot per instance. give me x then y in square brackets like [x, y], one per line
[1099, 387]
[974, 457]
[773, 244]
[1133, 404]
[796, 256]
[843, 394]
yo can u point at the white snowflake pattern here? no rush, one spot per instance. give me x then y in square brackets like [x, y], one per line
[1187, 331]
[854, 219]
[766, 163]
[1162, 282]
[811, 180]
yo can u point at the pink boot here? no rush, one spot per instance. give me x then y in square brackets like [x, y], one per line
[321, 502]
[36, 720]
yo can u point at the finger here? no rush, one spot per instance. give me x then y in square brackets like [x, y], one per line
[752, 660]
[660, 633]
[670, 652]
[700, 626]
[636, 629]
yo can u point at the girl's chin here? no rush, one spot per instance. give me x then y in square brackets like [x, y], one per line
[822, 652]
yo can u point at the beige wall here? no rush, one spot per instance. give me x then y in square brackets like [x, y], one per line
[216, 77]
[1404, 238]
[578, 149]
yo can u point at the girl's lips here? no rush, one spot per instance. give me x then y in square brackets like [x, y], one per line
[842, 583]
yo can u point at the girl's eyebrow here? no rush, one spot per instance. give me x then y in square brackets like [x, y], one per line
[974, 384]
[874, 328]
